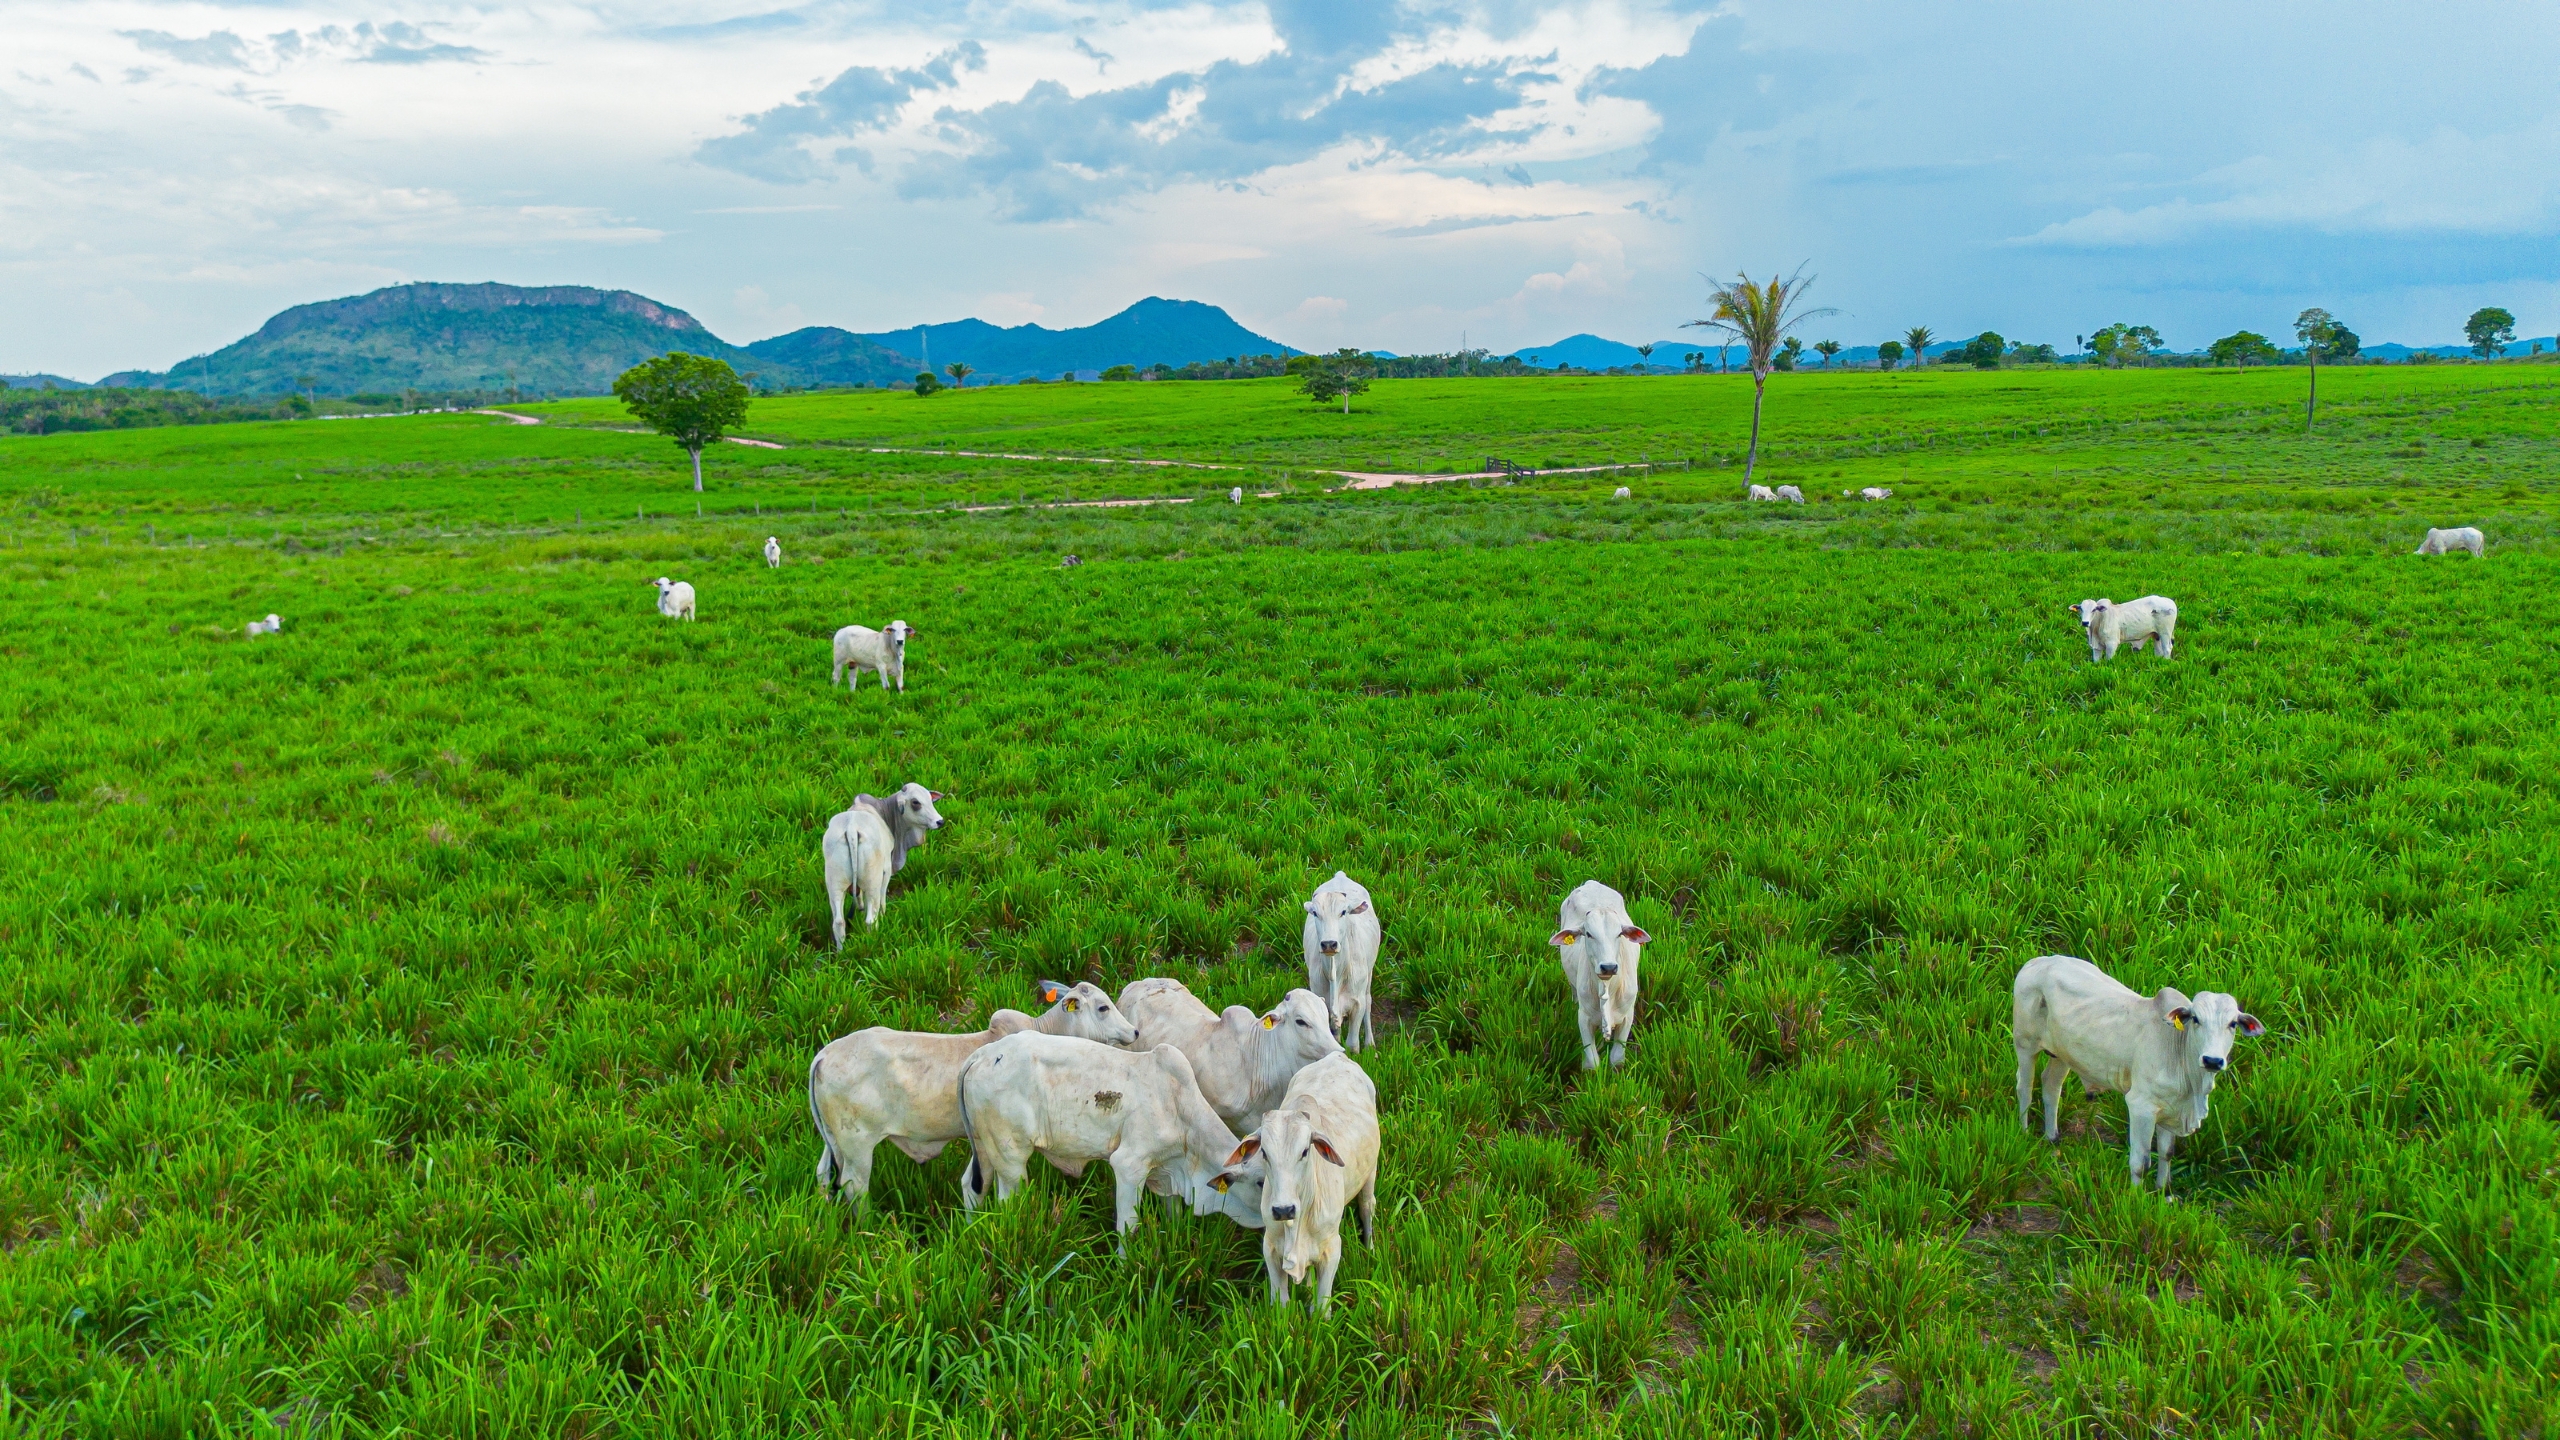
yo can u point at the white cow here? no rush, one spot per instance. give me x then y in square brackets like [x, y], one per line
[1763, 492]
[2444, 542]
[2109, 625]
[1340, 938]
[1077, 1102]
[909, 813]
[860, 646]
[773, 552]
[2162, 1051]
[268, 626]
[1243, 1061]
[903, 1086]
[1599, 948]
[859, 850]
[1623, 493]
[1790, 494]
[1316, 1154]
[1875, 492]
[675, 598]
[1235, 495]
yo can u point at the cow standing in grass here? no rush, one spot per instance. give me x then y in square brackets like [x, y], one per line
[1599, 948]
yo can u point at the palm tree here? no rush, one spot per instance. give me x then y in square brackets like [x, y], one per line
[959, 372]
[1827, 349]
[1645, 353]
[1757, 316]
[1918, 338]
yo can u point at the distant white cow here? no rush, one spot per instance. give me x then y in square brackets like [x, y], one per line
[1077, 1102]
[2445, 542]
[675, 598]
[858, 647]
[1623, 493]
[1875, 492]
[1599, 948]
[903, 1086]
[2161, 1051]
[1790, 494]
[268, 626]
[1235, 495]
[773, 552]
[1243, 1061]
[1317, 1155]
[2109, 625]
[1763, 492]
[1340, 939]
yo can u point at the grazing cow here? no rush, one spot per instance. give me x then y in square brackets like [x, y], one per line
[1875, 492]
[909, 813]
[1622, 493]
[773, 552]
[1074, 560]
[1317, 1153]
[2161, 1051]
[1077, 1102]
[675, 598]
[903, 1086]
[2109, 625]
[1243, 1061]
[1790, 494]
[1341, 943]
[1598, 946]
[2445, 542]
[1763, 492]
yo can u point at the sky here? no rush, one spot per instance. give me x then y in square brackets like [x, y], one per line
[1401, 176]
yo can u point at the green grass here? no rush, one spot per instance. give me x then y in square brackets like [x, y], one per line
[403, 1020]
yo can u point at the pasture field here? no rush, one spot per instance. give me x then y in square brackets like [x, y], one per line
[404, 1019]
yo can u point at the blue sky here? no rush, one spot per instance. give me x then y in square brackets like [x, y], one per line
[1396, 176]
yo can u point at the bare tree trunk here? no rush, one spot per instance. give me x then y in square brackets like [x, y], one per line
[2311, 408]
[1346, 402]
[1758, 382]
[697, 470]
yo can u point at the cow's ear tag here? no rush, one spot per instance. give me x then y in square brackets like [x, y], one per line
[1270, 1022]
[1219, 1184]
[2177, 1019]
[1073, 1004]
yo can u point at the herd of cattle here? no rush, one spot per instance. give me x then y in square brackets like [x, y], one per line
[1268, 1120]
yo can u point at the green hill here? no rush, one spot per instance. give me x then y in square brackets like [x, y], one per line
[550, 340]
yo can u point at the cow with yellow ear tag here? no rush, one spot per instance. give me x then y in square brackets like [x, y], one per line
[1316, 1155]
[1244, 1060]
[1599, 948]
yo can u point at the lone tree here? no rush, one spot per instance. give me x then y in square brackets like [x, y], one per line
[1918, 338]
[1983, 351]
[1757, 316]
[1827, 349]
[2317, 329]
[1888, 354]
[1791, 354]
[2491, 330]
[693, 400]
[2241, 347]
[959, 372]
[1345, 373]
[2124, 344]
[1644, 358]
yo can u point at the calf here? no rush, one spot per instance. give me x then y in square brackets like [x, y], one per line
[1622, 493]
[1243, 1061]
[1598, 946]
[860, 646]
[2162, 1051]
[773, 552]
[1790, 494]
[1341, 943]
[858, 850]
[2444, 542]
[1077, 1102]
[910, 815]
[675, 598]
[903, 1086]
[1316, 1153]
[1875, 492]
[2108, 624]
[1763, 492]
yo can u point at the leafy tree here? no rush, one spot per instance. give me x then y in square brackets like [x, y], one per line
[959, 372]
[2344, 344]
[1918, 338]
[2317, 329]
[1757, 316]
[1344, 373]
[928, 383]
[1827, 348]
[2022, 353]
[2118, 345]
[693, 400]
[1790, 353]
[2241, 347]
[1983, 351]
[1121, 372]
[1644, 353]
[308, 385]
[1888, 354]
[2491, 330]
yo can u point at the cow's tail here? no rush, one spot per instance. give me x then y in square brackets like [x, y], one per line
[973, 1181]
[826, 1142]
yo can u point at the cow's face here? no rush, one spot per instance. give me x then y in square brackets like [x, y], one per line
[1235, 1191]
[1290, 1148]
[915, 806]
[1303, 1025]
[2091, 613]
[1330, 909]
[897, 635]
[1089, 1013]
[1611, 941]
[2211, 1022]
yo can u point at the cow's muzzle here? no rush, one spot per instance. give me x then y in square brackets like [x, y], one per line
[2214, 1062]
[1284, 1212]
[1609, 970]
[1329, 946]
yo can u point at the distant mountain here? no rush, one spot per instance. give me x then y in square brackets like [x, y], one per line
[1175, 332]
[552, 340]
[1590, 352]
[42, 381]
[825, 355]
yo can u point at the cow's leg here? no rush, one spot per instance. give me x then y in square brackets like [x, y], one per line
[835, 903]
[2163, 1141]
[2055, 1072]
[1129, 1186]
[1273, 1238]
[1326, 1264]
[2026, 1084]
[2139, 1125]
[1590, 1052]
[1618, 1042]
[1369, 1020]
[1365, 1206]
[853, 1166]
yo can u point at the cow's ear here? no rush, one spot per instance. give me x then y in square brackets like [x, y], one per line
[2249, 1025]
[1221, 1182]
[1309, 907]
[1360, 909]
[1050, 991]
[1564, 937]
[1074, 1004]
[1638, 936]
[2180, 1016]
[1324, 1148]
[1271, 1021]
[935, 795]
[1251, 1146]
